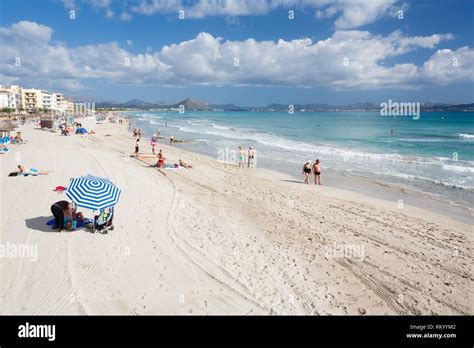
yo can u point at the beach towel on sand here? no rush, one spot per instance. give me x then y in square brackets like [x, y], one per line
[79, 223]
[171, 166]
[22, 174]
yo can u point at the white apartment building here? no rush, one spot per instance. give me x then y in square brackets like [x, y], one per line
[49, 101]
[61, 103]
[11, 97]
[31, 99]
[4, 99]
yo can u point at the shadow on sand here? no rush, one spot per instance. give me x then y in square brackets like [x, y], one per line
[295, 181]
[39, 224]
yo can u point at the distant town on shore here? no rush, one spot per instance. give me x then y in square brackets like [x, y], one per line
[16, 99]
[193, 104]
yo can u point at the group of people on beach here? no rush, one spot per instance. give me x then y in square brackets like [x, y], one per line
[250, 157]
[315, 168]
[161, 163]
[137, 133]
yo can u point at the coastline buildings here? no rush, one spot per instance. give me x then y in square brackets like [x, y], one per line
[49, 101]
[10, 97]
[33, 99]
[29, 100]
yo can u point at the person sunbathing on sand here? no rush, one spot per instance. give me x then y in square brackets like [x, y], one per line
[184, 164]
[31, 171]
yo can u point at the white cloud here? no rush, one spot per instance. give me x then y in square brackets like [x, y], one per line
[205, 8]
[157, 6]
[446, 66]
[99, 3]
[26, 30]
[352, 13]
[348, 13]
[69, 4]
[348, 59]
[124, 16]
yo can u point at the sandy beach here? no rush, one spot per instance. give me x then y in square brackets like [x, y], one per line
[218, 239]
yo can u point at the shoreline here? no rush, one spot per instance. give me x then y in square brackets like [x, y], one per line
[368, 189]
[389, 192]
[217, 239]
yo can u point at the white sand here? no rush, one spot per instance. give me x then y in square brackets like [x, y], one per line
[217, 239]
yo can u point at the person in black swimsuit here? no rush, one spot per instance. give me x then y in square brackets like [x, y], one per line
[306, 171]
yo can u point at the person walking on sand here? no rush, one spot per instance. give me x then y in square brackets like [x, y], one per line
[306, 171]
[153, 144]
[171, 140]
[251, 155]
[241, 157]
[137, 147]
[317, 172]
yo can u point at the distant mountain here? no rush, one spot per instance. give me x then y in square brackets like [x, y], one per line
[194, 104]
[228, 107]
[90, 99]
[448, 107]
[189, 104]
[140, 104]
[131, 104]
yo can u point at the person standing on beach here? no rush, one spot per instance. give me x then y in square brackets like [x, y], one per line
[153, 144]
[251, 155]
[241, 157]
[171, 139]
[137, 147]
[161, 159]
[317, 172]
[306, 171]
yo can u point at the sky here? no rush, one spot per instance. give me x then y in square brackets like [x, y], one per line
[246, 52]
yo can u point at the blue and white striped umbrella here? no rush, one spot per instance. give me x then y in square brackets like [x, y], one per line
[92, 192]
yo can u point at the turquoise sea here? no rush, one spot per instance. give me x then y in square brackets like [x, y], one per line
[434, 154]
